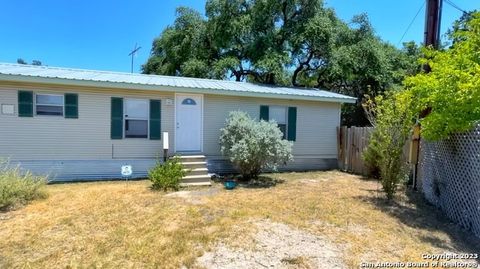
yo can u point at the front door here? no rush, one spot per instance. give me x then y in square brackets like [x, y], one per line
[188, 132]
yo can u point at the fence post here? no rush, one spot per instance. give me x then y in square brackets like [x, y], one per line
[339, 147]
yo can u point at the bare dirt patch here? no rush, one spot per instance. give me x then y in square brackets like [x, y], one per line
[276, 245]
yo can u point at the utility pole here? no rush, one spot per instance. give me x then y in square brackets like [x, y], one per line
[132, 54]
[433, 18]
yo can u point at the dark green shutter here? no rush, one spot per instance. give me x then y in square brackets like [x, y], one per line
[71, 106]
[155, 119]
[25, 104]
[292, 124]
[116, 127]
[264, 113]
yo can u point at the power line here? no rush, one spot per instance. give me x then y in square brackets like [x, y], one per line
[413, 20]
[455, 6]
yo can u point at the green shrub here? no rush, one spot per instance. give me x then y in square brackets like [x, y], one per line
[393, 122]
[18, 189]
[167, 175]
[252, 146]
[371, 157]
[444, 101]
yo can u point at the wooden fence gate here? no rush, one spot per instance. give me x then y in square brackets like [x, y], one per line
[351, 144]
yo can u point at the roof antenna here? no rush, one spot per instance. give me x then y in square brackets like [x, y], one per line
[132, 54]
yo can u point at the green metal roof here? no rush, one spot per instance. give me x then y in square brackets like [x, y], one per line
[118, 80]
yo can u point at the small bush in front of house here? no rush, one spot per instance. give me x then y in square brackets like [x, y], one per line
[252, 146]
[167, 175]
[17, 189]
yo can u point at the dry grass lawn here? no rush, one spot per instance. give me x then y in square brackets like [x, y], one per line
[126, 225]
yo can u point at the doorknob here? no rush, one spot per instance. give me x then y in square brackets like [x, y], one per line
[178, 125]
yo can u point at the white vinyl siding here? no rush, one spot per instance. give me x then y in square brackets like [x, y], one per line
[316, 123]
[87, 138]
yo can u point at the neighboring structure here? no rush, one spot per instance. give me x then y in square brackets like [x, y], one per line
[82, 124]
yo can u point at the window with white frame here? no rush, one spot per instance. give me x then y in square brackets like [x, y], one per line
[49, 104]
[279, 115]
[136, 118]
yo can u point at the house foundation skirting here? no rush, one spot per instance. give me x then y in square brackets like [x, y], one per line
[90, 170]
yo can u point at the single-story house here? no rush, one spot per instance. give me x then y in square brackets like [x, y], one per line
[74, 124]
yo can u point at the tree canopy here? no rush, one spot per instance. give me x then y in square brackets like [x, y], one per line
[444, 101]
[34, 62]
[451, 91]
[297, 43]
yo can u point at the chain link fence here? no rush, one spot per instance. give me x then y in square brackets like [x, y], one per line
[449, 176]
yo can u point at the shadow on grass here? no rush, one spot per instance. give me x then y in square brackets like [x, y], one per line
[414, 211]
[261, 182]
[367, 178]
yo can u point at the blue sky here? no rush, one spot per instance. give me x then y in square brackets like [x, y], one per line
[99, 34]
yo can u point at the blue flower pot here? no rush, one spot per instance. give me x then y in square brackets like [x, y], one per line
[230, 184]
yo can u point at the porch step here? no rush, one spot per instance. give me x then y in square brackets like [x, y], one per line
[196, 171]
[192, 158]
[203, 183]
[196, 166]
[192, 165]
[196, 178]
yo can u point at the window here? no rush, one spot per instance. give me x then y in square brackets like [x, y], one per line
[279, 115]
[49, 104]
[136, 118]
[189, 101]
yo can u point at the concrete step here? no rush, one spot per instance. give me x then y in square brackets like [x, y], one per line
[193, 165]
[196, 179]
[192, 158]
[197, 167]
[196, 184]
[197, 171]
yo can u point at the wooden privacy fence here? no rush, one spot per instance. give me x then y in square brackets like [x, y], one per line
[448, 170]
[351, 144]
